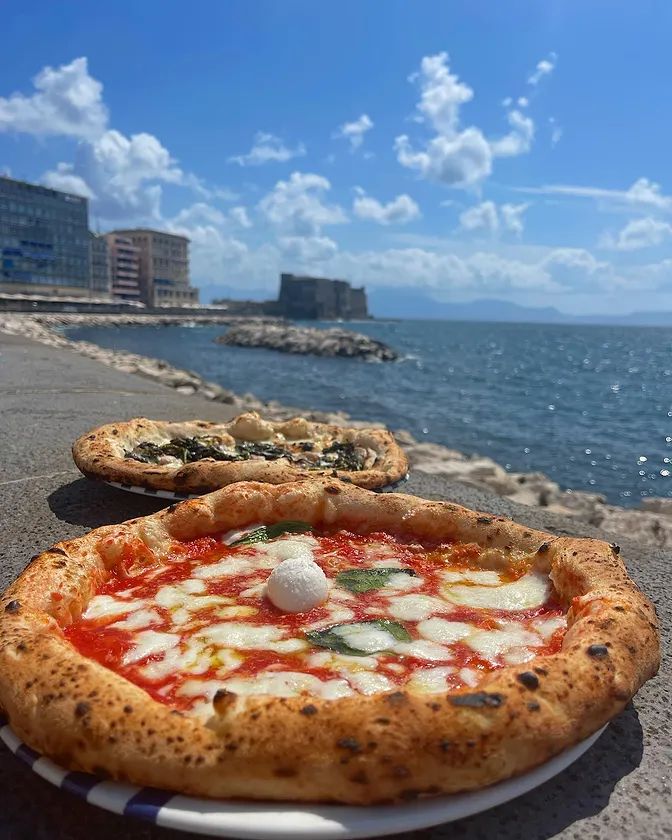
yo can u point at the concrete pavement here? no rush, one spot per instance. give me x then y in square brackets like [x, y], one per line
[619, 788]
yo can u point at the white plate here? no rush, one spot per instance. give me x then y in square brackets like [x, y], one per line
[270, 821]
[169, 494]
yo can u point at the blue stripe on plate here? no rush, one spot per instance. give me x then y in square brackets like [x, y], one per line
[26, 754]
[79, 783]
[147, 803]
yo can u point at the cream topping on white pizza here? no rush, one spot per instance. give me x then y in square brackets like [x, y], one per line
[393, 614]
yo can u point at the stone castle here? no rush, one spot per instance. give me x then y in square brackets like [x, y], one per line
[304, 298]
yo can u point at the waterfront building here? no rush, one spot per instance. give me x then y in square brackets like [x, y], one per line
[99, 257]
[124, 267]
[44, 241]
[318, 298]
[164, 267]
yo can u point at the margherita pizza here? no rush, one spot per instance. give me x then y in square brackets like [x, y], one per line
[317, 642]
[198, 456]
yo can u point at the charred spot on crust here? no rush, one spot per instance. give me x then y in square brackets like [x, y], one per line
[351, 744]
[333, 491]
[533, 706]
[484, 520]
[478, 699]
[445, 744]
[619, 609]
[396, 698]
[127, 710]
[615, 547]
[223, 700]
[13, 606]
[308, 710]
[598, 651]
[383, 721]
[359, 778]
[543, 548]
[528, 679]
[82, 709]
[541, 671]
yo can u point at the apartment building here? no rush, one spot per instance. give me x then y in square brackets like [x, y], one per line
[124, 267]
[44, 241]
[164, 267]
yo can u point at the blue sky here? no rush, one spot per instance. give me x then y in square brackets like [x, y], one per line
[515, 150]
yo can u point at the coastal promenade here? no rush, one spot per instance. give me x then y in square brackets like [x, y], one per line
[49, 396]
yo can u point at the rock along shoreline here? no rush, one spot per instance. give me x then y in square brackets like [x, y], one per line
[286, 338]
[651, 523]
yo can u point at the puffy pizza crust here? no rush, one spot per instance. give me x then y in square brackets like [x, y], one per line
[100, 454]
[359, 749]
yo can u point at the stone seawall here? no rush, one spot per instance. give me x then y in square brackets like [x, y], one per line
[651, 523]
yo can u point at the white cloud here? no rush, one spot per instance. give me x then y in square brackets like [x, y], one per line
[399, 210]
[63, 178]
[512, 217]
[267, 148]
[637, 234]
[486, 216]
[240, 217]
[456, 156]
[544, 68]
[556, 131]
[121, 173]
[307, 249]
[643, 193]
[523, 102]
[297, 206]
[519, 140]
[67, 101]
[354, 131]
[480, 217]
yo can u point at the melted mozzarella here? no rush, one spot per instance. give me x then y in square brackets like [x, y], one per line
[403, 581]
[422, 649]
[469, 677]
[137, 620]
[483, 577]
[492, 644]
[148, 643]
[430, 680]
[245, 564]
[286, 549]
[105, 606]
[443, 631]
[365, 637]
[531, 590]
[288, 684]
[416, 607]
[369, 683]
[234, 634]
[546, 627]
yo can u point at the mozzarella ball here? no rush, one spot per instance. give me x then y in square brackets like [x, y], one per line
[297, 585]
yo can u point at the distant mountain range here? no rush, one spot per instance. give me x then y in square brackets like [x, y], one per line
[408, 303]
[405, 303]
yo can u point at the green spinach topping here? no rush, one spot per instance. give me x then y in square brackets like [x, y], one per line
[330, 638]
[270, 532]
[340, 456]
[366, 580]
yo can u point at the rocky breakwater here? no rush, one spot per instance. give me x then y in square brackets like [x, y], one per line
[308, 341]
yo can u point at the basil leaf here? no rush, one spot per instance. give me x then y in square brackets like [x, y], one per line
[365, 580]
[327, 638]
[270, 532]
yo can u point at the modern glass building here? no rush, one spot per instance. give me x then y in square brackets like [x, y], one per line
[44, 240]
